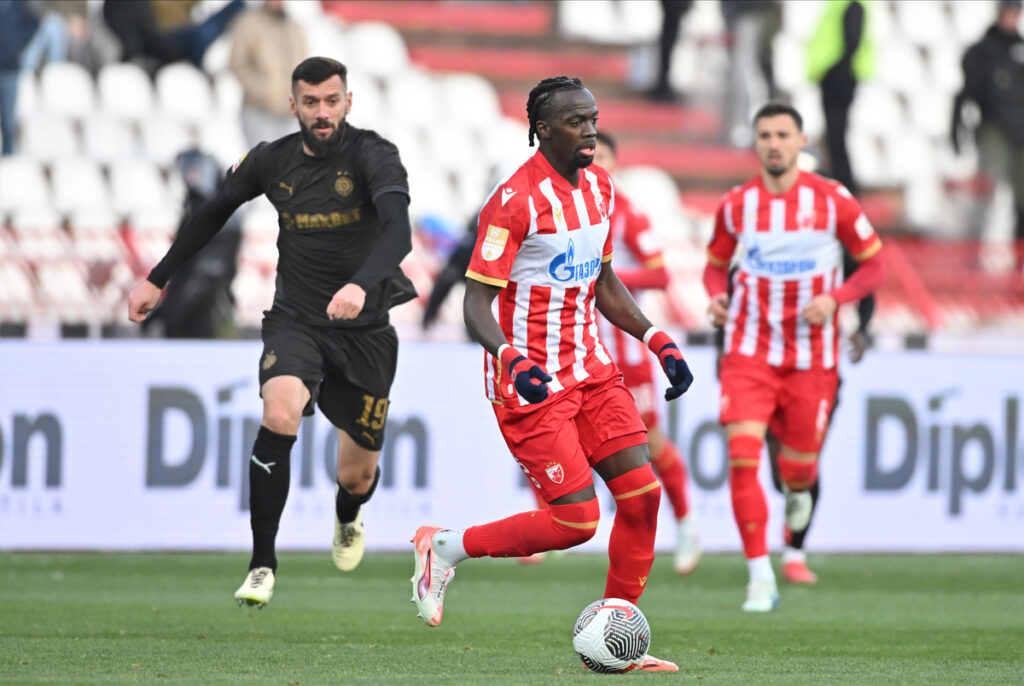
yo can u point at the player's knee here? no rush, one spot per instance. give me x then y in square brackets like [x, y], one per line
[798, 475]
[637, 493]
[576, 522]
[280, 418]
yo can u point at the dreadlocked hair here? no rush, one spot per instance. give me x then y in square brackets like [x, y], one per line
[541, 95]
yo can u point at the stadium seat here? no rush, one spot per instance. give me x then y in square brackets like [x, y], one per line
[415, 87]
[183, 93]
[227, 92]
[108, 138]
[137, 185]
[931, 112]
[96, 237]
[800, 18]
[22, 184]
[163, 138]
[877, 110]
[970, 19]
[218, 55]
[17, 298]
[378, 49]
[78, 183]
[923, 23]
[471, 100]
[944, 71]
[64, 289]
[38, 235]
[326, 37]
[47, 136]
[28, 97]
[253, 293]
[67, 89]
[867, 158]
[654, 190]
[901, 67]
[126, 91]
[369, 110]
[222, 137]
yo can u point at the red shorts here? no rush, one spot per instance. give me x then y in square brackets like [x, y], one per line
[639, 380]
[794, 402]
[557, 442]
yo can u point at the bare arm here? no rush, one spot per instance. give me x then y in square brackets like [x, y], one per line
[476, 310]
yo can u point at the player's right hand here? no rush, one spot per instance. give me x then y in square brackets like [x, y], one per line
[671, 359]
[142, 299]
[531, 383]
[529, 379]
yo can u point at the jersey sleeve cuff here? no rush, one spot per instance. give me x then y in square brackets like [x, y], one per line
[489, 280]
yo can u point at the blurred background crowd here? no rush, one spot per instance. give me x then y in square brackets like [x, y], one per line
[118, 116]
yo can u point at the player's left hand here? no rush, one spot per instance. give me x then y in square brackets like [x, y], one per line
[671, 359]
[819, 309]
[347, 303]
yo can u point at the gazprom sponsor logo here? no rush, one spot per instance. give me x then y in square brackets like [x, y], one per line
[778, 267]
[564, 268]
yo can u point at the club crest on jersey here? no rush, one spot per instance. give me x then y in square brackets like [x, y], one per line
[805, 218]
[494, 243]
[564, 268]
[343, 185]
[555, 472]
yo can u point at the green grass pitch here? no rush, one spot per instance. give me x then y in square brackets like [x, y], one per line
[171, 619]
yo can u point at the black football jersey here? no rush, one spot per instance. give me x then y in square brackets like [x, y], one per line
[327, 220]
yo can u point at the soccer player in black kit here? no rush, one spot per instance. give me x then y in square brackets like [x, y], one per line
[342, 199]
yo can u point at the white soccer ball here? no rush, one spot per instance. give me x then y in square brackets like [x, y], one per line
[611, 636]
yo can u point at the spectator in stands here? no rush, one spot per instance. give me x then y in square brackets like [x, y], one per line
[750, 27]
[672, 16]
[17, 26]
[49, 43]
[840, 53]
[66, 33]
[161, 31]
[265, 43]
[994, 80]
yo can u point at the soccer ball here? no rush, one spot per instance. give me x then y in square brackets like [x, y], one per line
[611, 636]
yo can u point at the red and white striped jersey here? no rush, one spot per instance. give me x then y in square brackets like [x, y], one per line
[636, 247]
[544, 241]
[791, 253]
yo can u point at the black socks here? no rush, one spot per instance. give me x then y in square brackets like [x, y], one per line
[269, 477]
[347, 504]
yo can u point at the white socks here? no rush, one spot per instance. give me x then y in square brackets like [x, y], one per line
[760, 568]
[448, 546]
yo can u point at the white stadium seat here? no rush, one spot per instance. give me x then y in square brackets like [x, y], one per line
[107, 138]
[471, 100]
[163, 138]
[183, 93]
[126, 91]
[137, 185]
[413, 97]
[22, 184]
[379, 49]
[67, 89]
[222, 137]
[48, 136]
[78, 183]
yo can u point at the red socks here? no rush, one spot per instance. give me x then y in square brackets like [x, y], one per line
[556, 528]
[672, 473]
[748, 501]
[631, 546]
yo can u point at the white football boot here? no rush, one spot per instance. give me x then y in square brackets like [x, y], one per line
[349, 543]
[762, 596]
[688, 550]
[430, 577]
[257, 588]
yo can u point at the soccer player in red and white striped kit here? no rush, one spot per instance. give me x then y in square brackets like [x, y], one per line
[540, 270]
[781, 347]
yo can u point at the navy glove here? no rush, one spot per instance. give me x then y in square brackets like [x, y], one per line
[530, 380]
[676, 369]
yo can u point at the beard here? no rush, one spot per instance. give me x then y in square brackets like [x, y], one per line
[322, 147]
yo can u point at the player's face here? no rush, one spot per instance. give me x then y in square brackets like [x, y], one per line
[604, 157]
[570, 130]
[321, 109]
[778, 143]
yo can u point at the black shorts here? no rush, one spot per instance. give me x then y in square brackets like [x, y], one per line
[348, 372]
